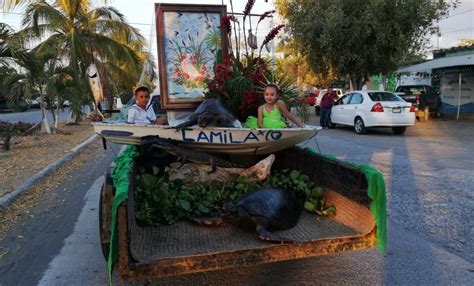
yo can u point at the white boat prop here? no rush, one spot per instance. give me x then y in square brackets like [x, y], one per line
[211, 139]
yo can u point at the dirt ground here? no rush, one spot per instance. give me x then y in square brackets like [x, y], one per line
[30, 154]
[20, 208]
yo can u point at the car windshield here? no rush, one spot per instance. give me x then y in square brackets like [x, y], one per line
[383, 96]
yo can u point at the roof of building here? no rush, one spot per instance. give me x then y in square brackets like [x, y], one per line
[452, 61]
[453, 51]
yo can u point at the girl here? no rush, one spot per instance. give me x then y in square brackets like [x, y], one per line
[270, 113]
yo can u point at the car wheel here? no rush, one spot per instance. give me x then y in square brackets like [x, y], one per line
[359, 126]
[399, 130]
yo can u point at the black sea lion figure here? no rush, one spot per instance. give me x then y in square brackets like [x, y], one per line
[263, 210]
[211, 112]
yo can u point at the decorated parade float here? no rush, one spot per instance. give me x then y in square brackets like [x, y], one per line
[205, 192]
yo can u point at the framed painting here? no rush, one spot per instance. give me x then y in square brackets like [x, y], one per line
[189, 42]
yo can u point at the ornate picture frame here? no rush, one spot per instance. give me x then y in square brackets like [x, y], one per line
[189, 41]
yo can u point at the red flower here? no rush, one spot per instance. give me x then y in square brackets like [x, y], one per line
[248, 7]
[225, 23]
[271, 35]
[265, 15]
[212, 86]
[249, 102]
[257, 76]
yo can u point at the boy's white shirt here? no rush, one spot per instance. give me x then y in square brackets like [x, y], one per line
[137, 115]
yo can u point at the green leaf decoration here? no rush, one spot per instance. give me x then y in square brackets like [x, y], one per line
[158, 200]
[309, 206]
[186, 205]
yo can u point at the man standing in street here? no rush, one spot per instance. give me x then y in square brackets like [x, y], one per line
[325, 106]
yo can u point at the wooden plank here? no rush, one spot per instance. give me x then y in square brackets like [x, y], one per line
[245, 258]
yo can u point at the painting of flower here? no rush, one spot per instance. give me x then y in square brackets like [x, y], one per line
[190, 43]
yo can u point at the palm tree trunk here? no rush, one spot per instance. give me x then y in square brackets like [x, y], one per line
[56, 119]
[106, 88]
[44, 120]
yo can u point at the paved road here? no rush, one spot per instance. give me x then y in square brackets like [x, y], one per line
[428, 173]
[430, 198]
[32, 116]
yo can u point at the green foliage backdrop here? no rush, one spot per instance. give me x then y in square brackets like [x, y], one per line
[360, 38]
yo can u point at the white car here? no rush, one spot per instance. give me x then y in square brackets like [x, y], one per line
[322, 93]
[367, 108]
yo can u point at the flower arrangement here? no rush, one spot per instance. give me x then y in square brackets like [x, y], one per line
[239, 79]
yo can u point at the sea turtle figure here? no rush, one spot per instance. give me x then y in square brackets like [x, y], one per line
[263, 210]
[213, 112]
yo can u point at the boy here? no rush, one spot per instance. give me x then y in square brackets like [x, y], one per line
[139, 113]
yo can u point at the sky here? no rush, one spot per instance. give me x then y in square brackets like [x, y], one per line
[140, 13]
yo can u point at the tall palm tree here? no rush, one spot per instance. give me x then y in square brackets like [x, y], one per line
[10, 48]
[82, 35]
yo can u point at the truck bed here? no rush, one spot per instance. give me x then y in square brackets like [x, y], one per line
[148, 244]
[184, 247]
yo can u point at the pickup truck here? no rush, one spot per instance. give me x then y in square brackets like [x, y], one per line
[421, 96]
[153, 251]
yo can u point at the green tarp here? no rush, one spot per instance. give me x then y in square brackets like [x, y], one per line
[123, 166]
[376, 192]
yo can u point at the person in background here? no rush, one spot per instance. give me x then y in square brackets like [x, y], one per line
[139, 113]
[325, 107]
[365, 84]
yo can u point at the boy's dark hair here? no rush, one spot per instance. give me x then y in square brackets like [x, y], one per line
[141, 88]
[274, 86]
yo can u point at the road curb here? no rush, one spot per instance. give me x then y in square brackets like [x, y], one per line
[26, 185]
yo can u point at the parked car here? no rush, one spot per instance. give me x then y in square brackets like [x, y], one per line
[18, 106]
[321, 94]
[34, 103]
[364, 109]
[421, 96]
